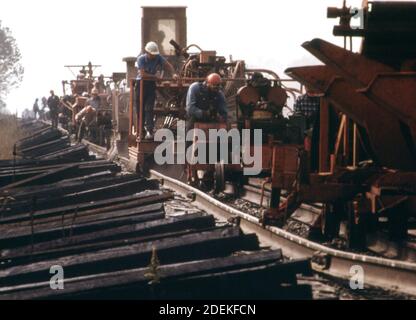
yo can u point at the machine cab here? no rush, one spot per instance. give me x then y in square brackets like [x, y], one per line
[163, 24]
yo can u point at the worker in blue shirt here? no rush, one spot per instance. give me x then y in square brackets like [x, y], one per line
[205, 102]
[148, 64]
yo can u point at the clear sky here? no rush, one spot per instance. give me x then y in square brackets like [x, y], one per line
[54, 33]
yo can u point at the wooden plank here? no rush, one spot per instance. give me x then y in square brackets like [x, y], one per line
[26, 192]
[179, 249]
[78, 152]
[63, 141]
[45, 165]
[36, 133]
[89, 214]
[112, 281]
[49, 175]
[25, 237]
[64, 187]
[116, 190]
[82, 170]
[47, 135]
[196, 220]
[93, 207]
[262, 282]
[75, 221]
[46, 150]
[109, 238]
[30, 163]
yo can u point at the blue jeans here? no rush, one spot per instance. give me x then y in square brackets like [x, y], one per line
[149, 97]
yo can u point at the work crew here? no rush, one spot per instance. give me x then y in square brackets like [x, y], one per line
[44, 103]
[42, 111]
[205, 102]
[100, 84]
[88, 114]
[36, 108]
[148, 65]
[308, 105]
[95, 100]
[53, 104]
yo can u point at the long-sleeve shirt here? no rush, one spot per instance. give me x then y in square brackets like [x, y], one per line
[150, 66]
[53, 103]
[94, 102]
[200, 99]
[306, 105]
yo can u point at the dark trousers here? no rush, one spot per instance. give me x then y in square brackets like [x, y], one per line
[54, 119]
[81, 130]
[149, 97]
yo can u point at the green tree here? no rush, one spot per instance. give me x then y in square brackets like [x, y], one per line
[11, 71]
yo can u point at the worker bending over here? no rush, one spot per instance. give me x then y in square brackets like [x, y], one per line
[205, 102]
[88, 114]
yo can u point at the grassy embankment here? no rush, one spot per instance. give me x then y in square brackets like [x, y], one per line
[9, 134]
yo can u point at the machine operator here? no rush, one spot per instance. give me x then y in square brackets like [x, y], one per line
[205, 102]
[148, 65]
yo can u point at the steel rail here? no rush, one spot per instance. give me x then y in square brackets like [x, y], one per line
[388, 274]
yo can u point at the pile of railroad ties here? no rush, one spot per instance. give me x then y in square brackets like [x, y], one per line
[64, 209]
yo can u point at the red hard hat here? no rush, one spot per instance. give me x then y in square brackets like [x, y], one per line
[214, 79]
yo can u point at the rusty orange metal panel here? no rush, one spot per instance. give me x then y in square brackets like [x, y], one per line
[352, 66]
[285, 166]
[388, 89]
[266, 155]
[382, 127]
[397, 91]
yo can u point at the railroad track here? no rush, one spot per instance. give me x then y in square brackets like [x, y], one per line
[112, 236]
[387, 274]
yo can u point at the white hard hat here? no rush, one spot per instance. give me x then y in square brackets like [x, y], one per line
[152, 48]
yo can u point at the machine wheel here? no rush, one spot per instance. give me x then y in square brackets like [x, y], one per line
[219, 178]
